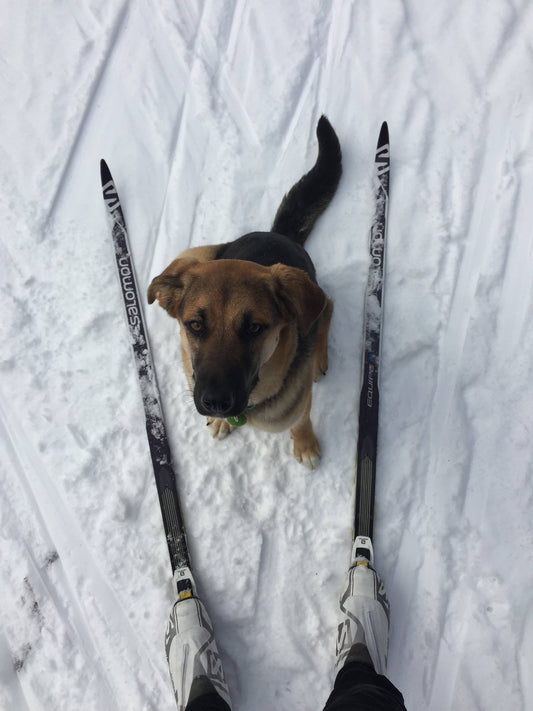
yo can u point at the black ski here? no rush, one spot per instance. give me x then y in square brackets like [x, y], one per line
[155, 425]
[369, 402]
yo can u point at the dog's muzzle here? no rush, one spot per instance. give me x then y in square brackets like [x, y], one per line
[221, 395]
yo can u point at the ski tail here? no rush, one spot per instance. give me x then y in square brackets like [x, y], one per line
[309, 197]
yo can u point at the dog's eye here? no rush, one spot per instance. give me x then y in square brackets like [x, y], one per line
[254, 329]
[195, 326]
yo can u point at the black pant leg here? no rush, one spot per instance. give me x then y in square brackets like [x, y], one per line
[208, 702]
[359, 688]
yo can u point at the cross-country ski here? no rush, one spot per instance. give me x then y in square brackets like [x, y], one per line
[198, 641]
[367, 442]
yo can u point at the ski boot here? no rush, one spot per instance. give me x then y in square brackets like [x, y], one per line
[363, 633]
[193, 659]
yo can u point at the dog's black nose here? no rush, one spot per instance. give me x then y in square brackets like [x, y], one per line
[217, 403]
[220, 394]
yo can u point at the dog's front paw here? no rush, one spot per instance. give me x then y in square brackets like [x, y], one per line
[307, 451]
[219, 428]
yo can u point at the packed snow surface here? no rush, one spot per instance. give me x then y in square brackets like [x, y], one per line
[206, 113]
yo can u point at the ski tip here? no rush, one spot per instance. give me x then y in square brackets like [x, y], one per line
[383, 135]
[105, 173]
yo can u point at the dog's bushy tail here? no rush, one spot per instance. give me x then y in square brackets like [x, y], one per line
[307, 200]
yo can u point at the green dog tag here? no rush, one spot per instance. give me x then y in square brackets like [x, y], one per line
[238, 421]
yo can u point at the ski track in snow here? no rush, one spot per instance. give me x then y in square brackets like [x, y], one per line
[206, 114]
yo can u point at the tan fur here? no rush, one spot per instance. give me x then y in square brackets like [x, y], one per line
[283, 297]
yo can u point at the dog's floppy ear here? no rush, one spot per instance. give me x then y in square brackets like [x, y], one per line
[167, 288]
[298, 297]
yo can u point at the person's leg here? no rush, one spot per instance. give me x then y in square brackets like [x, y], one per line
[358, 687]
[209, 701]
[363, 640]
[193, 659]
[212, 702]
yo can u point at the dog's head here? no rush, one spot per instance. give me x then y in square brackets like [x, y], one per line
[231, 315]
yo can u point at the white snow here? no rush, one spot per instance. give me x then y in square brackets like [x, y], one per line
[205, 112]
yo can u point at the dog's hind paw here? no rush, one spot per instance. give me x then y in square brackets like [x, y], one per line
[219, 429]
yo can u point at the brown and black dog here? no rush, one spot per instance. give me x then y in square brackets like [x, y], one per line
[254, 323]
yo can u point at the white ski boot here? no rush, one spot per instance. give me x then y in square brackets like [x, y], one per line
[193, 659]
[364, 612]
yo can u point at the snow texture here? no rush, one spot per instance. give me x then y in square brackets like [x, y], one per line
[206, 112]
